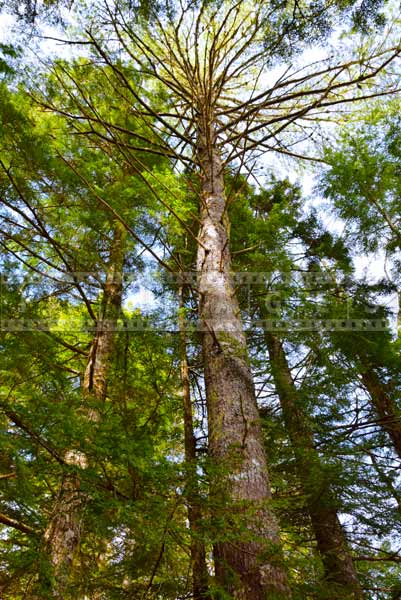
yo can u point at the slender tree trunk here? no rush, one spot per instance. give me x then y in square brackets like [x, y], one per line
[383, 403]
[364, 354]
[198, 553]
[330, 537]
[248, 558]
[63, 533]
[95, 379]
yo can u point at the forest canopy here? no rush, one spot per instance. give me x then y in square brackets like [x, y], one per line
[200, 248]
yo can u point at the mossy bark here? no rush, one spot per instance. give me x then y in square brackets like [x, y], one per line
[248, 557]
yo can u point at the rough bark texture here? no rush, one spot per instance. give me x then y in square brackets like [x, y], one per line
[63, 533]
[198, 553]
[95, 379]
[330, 537]
[383, 403]
[248, 559]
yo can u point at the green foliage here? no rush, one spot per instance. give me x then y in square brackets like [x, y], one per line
[363, 181]
[67, 180]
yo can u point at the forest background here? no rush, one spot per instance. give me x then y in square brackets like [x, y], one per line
[238, 436]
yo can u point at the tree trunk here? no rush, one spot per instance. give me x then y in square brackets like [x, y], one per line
[198, 553]
[95, 379]
[373, 356]
[248, 558]
[63, 533]
[330, 537]
[383, 403]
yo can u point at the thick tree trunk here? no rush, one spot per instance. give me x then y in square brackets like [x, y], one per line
[330, 537]
[248, 558]
[198, 553]
[383, 403]
[63, 533]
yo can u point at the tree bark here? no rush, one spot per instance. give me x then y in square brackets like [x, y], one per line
[63, 534]
[330, 537]
[198, 553]
[248, 559]
[95, 379]
[383, 403]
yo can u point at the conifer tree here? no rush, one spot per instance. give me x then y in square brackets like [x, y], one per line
[200, 56]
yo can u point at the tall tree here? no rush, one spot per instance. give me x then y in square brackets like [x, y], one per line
[272, 209]
[296, 288]
[201, 56]
[63, 533]
[332, 544]
[198, 550]
[79, 255]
